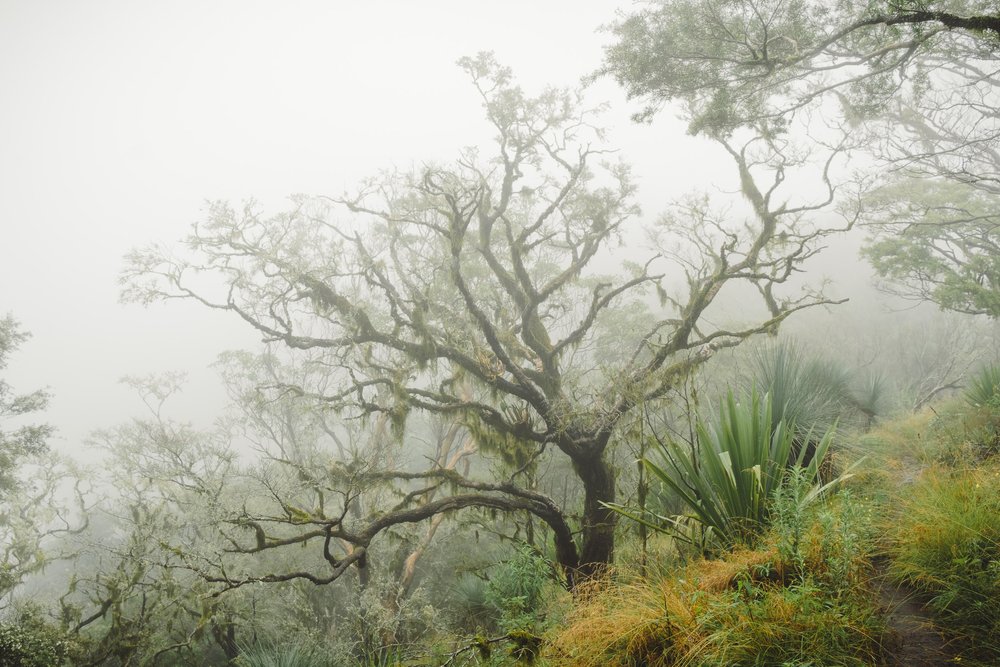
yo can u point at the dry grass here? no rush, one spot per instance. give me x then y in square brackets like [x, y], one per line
[621, 625]
[716, 576]
[746, 607]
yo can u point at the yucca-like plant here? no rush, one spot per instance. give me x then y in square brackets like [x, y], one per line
[729, 481]
[272, 655]
[984, 388]
[810, 392]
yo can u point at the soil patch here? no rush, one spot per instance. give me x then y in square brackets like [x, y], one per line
[918, 642]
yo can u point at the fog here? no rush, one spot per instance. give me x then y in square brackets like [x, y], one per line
[500, 389]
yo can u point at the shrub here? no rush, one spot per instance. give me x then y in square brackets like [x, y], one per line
[515, 590]
[27, 640]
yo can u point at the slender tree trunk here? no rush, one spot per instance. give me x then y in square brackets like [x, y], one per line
[643, 529]
[225, 636]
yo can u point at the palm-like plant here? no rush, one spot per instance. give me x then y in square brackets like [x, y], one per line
[813, 393]
[273, 655]
[729, 481]
[984, 388]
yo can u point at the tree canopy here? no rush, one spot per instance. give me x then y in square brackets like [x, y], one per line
[939, 242]
[24, 440]
[733, 63]
[37, 502]
[914, 83]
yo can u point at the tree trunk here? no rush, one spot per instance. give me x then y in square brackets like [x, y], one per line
[224, 634]
[598, 548]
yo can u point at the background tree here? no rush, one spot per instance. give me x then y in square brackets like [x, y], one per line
[25, 440]
[39, 499]
[737, 63]
[471, 291]
[132, 597]
[294, 433]
[917, 81]
[938, 241]
[160, 574]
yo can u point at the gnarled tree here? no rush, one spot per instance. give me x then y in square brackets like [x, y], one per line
[473, 291]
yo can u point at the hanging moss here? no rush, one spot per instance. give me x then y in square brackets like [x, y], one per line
[482, 645]
[514, 452]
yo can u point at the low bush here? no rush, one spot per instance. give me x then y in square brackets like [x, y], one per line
[516, 588]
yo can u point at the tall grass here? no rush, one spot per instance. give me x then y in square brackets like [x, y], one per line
[744, 609]
[946, 543]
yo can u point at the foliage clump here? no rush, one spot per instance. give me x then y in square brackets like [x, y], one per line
[728, 480]
[28, 640]
[813, 393]
[516, 590]
[984, 388]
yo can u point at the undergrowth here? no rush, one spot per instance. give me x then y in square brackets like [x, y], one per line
[941, 501]
[804, 592]
[800, 597]
[947, 546]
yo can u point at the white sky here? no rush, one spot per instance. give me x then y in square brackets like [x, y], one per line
[119, 118]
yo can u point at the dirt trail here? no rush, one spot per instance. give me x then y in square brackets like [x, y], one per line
[921, 644]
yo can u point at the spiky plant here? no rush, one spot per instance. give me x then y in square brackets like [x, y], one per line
[810, 392]
[273, 655]
[869, 399]
[984, 387]
[729, 481]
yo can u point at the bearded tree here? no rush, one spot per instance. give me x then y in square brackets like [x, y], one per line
[735, 63]
[490, 292]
